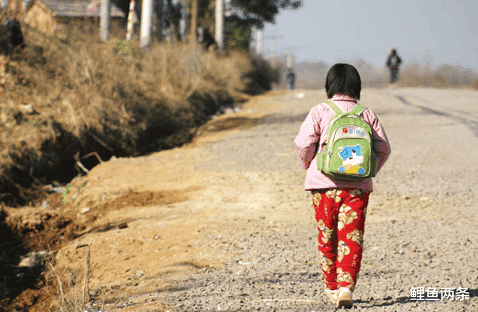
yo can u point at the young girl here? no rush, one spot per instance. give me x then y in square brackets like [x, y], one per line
[340, 206]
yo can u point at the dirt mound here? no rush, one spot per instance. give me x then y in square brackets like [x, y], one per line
[41, 232]
[30, 238]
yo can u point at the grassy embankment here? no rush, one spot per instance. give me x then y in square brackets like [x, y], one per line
[93, 100]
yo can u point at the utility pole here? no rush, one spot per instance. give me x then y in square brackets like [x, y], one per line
[131, 18]
[259, 42]
[220, 24]
[146, 23]
[194, 21]
[184, 20]
[273, 48]
[105, 20]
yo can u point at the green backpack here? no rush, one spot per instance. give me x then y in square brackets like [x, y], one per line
[348, 154]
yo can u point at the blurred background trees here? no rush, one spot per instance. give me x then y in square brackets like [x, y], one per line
[241, 16]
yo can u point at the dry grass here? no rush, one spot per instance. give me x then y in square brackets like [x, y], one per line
[110, 98]
[70, 286]
[445, 76]
[86, 79]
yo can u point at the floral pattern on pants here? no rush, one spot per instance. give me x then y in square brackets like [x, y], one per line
[340, 215]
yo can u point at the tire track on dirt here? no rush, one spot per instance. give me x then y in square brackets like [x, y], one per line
[461, 117]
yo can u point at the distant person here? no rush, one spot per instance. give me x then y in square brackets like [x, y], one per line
[393, 63]
[290, 79]
[340, 205]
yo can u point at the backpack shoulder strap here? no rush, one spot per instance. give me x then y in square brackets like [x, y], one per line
[334, 107]
[357, 110]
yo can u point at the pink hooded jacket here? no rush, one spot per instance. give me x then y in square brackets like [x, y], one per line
[313, 131]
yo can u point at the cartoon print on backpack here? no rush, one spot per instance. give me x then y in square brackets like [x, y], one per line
[351, 157]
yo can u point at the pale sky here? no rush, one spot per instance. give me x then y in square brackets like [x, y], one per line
[344, 30]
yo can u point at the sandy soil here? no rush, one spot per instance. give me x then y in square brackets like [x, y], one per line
[223, 224]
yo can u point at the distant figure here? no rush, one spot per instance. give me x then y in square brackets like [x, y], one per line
[393, 63]
[290, 79]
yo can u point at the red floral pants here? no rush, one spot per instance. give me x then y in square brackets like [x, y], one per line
[340, 215]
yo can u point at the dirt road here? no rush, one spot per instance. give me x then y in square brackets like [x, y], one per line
[223, 224]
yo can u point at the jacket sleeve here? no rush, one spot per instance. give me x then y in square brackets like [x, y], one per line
[381, 145]
[389, 61]
[306, 140]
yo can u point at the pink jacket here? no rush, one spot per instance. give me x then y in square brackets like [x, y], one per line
[313, 130]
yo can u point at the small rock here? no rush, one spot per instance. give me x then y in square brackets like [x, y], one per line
[33, 259]
[27, 109]
[54, 189]
[84, 210]
[139, 273]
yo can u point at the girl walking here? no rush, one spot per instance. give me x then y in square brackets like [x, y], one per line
[340, 206]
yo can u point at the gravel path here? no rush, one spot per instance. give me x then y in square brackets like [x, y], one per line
[421, 224]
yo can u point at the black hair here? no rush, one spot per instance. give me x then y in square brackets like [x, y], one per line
[343, 79]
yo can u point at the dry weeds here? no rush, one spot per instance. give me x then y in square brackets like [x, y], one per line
[66, 98]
